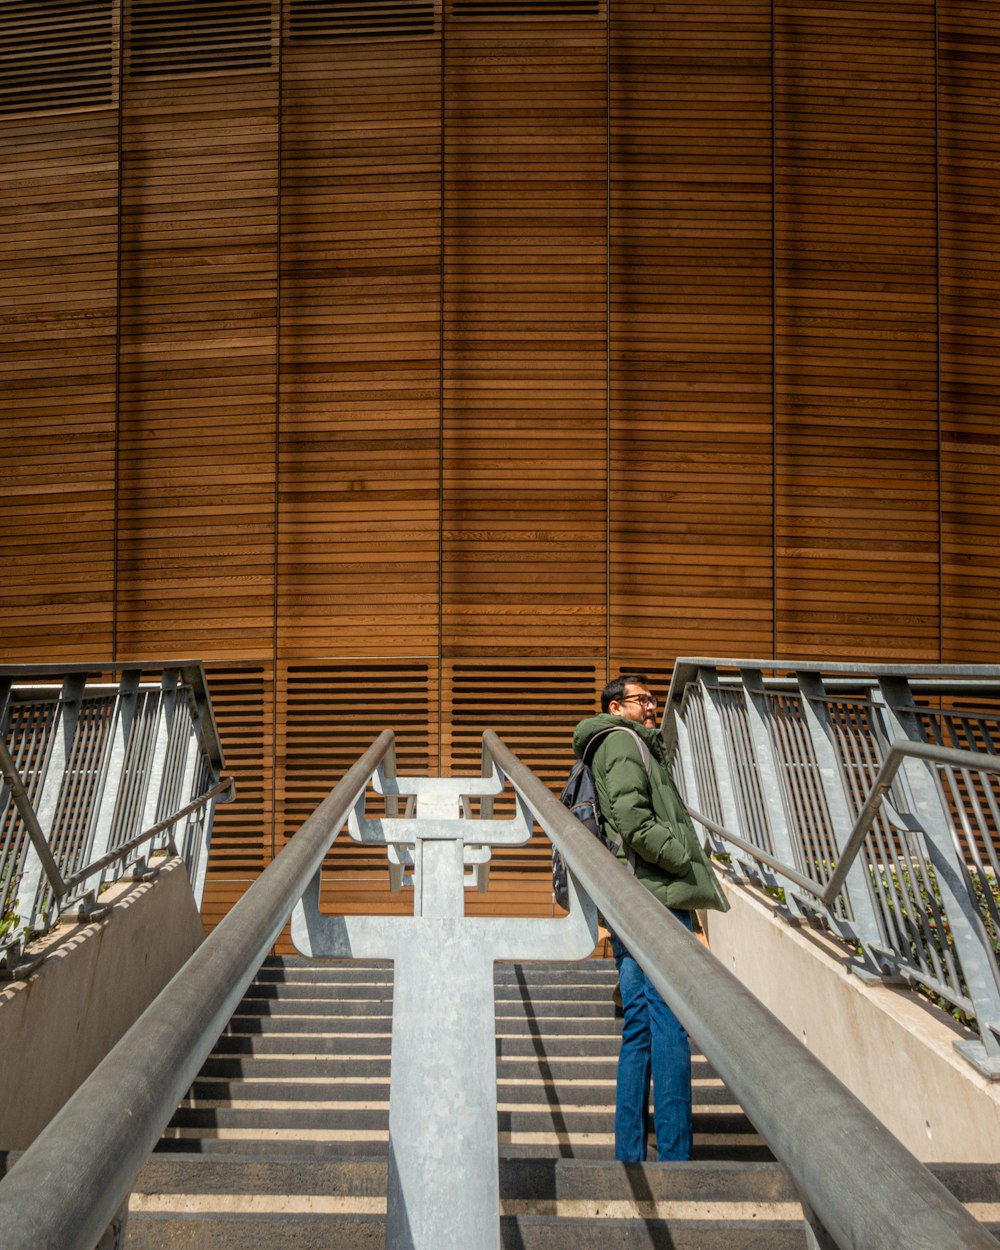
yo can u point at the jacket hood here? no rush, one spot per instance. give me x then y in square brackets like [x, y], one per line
[586, 729]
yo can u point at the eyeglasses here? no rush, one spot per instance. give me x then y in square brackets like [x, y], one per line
[647, 700]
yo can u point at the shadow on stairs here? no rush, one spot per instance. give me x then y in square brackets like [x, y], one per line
[282, 1140]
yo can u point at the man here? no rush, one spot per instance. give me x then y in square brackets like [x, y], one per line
[645, 818]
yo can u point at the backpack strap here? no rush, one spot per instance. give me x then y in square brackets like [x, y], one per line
[644, 752]
[647, 763]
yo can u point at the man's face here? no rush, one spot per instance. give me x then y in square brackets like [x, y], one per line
[635, 704]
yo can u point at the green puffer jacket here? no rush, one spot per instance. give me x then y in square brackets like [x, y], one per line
[648, 815]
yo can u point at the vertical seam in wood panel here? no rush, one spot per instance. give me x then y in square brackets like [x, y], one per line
[277, 431]
[774, 346]
[607, 341]
[118, 337]
[442, 96]
[937, 342]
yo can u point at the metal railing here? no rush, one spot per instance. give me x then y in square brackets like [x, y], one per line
[860, 1187]
[100, 767]
[869, 798]
[67, 1187]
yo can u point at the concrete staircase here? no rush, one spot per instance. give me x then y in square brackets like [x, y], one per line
[282, 1141]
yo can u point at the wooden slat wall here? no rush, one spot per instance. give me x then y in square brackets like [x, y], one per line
[402, 291]
[691, 331]
[532, 704]
[969, 158]
[242, 837]
[524, 353]
[328, 713]
[58, 281]
[197, 406]
[360, 345]
[856, 369]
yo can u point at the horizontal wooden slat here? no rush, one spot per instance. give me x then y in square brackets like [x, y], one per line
[169, 37]
[57, 54]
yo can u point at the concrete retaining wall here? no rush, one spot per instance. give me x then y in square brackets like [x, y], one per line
[97, 979]
[893, 1049]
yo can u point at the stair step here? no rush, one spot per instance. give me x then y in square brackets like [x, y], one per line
[150, 1231]
[541, 1148]
[555, 1203]
[209, 1201]
[313, 1018]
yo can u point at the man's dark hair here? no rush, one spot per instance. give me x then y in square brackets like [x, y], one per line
[613, 691]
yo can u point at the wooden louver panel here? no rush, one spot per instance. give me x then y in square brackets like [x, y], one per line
[690, 331]
[192, 36]
[57, 383]
[196, 395]
[56, 55]
[360, 349]
[969, 174]
[525, 10]
[328, 714]
[856, 421]
[524, 395]
[533, 707]
[243, 830]
[360, 19]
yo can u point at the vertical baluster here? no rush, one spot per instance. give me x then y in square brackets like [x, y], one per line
[758, 715]
[968, 931]
[32, 886]
[866, 927]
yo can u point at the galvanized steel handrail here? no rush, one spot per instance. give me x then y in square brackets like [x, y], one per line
[863, 1186]
[66, 1188]
[224, 790]
[898, 752]
[61, 886]
[869, 809]
[192, 674]
[90, 771]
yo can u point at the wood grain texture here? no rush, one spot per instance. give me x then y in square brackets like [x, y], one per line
[197, 383]
[360, 348]
[58, 291]
[968, 165]
[691, 515]
[856, 367]
[524, 305]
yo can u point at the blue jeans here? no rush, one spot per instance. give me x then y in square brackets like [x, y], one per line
[653, 1045]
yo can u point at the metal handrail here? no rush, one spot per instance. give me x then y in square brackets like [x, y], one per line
[226, 787]
[60, 885]
[106, 768]
[19, 795]
[66, 1188]
[861, 1183]
[899, 750]
[191, 671]
[874, 810]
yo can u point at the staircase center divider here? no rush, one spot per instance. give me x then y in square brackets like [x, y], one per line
[859, 1186]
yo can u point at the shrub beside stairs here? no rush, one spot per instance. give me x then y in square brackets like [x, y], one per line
[282, 1141]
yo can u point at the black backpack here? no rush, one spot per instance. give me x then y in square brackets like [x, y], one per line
[579, 794]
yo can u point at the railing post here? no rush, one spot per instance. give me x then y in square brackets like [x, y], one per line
[158, 762]
[115, 767]
[194, 850]
[969, 934]
[867, 928]
[709, 678]
[47, 804]
[688, 780]
[771, 782]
